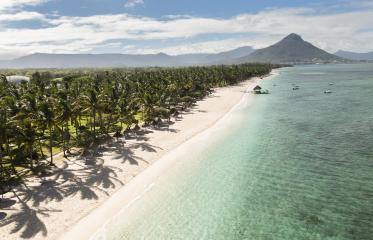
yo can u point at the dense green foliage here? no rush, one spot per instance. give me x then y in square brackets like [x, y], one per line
[64, 109]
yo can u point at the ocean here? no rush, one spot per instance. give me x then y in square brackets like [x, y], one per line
[294, 164]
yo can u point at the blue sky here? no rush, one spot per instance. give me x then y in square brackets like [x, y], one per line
[179, 26]
[160, 8]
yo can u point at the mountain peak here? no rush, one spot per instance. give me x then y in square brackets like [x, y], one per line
[293, 36]
[292, 50]
[162, 54]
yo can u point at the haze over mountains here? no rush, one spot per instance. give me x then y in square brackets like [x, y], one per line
[290, 50]
[355, 56]
[44, 60]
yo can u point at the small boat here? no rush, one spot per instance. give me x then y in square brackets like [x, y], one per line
[331, 84]
[327, 91]
[296, 88]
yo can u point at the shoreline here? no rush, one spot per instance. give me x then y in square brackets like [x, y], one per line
[95, 228]
[85, 193]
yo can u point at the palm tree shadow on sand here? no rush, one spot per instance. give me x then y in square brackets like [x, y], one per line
[27, 219]
[85, 176]
[25, 206]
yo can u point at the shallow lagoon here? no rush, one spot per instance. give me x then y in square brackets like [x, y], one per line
[294, 165]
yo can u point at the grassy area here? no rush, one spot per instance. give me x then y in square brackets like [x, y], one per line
[55, 150]
[84, 121]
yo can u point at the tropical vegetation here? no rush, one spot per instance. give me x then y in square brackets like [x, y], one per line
[61, 109]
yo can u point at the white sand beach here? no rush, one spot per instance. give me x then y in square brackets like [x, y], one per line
[84, 193]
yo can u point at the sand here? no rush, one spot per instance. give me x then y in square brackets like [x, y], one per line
[84, 193]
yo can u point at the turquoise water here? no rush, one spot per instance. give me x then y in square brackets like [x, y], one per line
[294, 165]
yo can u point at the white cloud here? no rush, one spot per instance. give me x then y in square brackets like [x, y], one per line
[21, 16]
[348, 31]
[17, 4]
[12, 11]
[133, 3]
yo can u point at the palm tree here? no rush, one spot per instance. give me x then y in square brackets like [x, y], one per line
[26, 138]
[44, 108]
[3, 138]
[64, 117]
[90, 102]
[3, 126]
[48, 118]
[29, 109]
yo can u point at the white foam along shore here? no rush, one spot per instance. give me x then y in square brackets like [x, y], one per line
[93, 226]
[87, 192]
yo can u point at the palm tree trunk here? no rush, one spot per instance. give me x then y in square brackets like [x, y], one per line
[2, 178]
[63, 142]
[109, 123]
[31, 160]
[51, 145]
[41, 149]
[68, 137]
[101, 120]
[37, 161]
[10, 156]
[41, 145]
[94, 123]
[76, 131]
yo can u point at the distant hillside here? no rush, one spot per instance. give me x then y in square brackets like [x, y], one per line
[234, 54]
[292, 50]
[355, 56]
[43, 60]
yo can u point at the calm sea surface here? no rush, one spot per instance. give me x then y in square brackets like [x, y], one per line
[293, 165]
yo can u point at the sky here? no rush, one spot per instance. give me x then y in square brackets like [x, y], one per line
[179, 26]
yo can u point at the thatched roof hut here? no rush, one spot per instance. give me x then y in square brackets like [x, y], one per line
[257, 88]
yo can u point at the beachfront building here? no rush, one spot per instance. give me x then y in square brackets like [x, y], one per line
[17, 79]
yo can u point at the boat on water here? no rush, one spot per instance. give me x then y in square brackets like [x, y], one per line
[328, 91]
[296, 88]
[331, 84]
